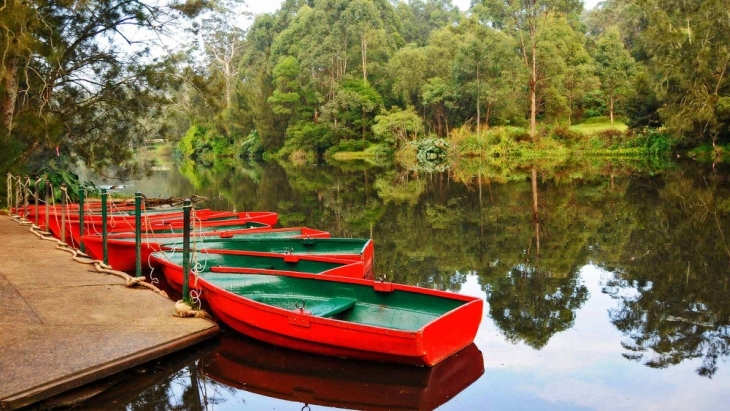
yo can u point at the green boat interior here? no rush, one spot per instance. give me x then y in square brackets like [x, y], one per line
[207, 261]
[205, 230]
[356, 303]
[285, 245]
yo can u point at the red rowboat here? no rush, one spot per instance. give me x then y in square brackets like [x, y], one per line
[345, 317]
[122, 247]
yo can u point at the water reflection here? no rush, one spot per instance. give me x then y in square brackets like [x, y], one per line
[245, 364]
[660, 237]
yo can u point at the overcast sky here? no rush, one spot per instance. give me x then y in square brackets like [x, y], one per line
[266, 6]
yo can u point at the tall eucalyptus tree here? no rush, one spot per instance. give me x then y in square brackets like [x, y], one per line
[524, 20]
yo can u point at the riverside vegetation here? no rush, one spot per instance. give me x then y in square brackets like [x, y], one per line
[93, 82]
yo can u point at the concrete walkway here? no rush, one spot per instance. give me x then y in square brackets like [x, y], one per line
[63, 325]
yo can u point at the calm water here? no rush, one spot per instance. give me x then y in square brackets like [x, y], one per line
[606, 286]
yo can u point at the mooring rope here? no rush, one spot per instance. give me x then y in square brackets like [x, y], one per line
[83, 258]
[182, 308]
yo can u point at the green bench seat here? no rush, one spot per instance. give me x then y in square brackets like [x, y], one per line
[332, 307]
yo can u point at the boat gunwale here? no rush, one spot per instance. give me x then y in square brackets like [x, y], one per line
[468, 300]
[360, 254]
[306, 232]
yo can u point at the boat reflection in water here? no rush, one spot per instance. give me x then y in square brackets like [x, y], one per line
[249, 365]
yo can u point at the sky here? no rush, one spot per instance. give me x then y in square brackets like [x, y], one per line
[267, 6]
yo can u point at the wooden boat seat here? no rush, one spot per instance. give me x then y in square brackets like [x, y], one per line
[332, 307]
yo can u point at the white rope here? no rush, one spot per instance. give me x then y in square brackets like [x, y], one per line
[83, 258]
[10, 192]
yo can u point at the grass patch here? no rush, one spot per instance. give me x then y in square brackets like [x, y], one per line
[593, 128]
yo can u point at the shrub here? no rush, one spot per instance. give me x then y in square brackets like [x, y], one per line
[348, 145]
[561, 133]
[251, 147]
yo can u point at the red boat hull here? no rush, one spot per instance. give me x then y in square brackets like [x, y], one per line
[115, 223]
[121, 254]
[299, 331]
[215, 219]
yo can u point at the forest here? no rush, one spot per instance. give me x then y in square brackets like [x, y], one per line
[94, 81]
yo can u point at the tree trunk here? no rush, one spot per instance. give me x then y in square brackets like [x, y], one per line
[10, 94]
[489, 111]
[364, 47]
[479, 117]
[535, 211]
[610, 110]
[533, 94]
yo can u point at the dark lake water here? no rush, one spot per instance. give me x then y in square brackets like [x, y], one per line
[606, 286]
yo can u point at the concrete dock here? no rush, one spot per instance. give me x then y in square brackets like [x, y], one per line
[63, 325]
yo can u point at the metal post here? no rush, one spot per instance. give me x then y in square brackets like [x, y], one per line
[47, 187]
[138, 230]
[81, 217]
[63, 212]
[186, 250]
[35, 195]
[103, 226]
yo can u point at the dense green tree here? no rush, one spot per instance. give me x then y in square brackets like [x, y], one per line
[689, 50]
[419, 18]
[481, 68]
[524, 20]
[566, 70]
[396, 126]
[82, 93]
[615, 68]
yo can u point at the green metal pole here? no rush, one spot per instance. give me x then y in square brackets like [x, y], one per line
[138, 230]
[63, 212]
[81, 218]
[103, 226]
[186, 250]
[47, 187]
[35, 195]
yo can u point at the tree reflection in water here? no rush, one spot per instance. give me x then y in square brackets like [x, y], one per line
[672, 274]
[661, 233]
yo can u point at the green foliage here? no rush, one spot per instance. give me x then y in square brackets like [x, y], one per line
[348, 146]
[688, 53]
[57, 176]
[68, 85]
[615, 67]
[397, 126]
[432, 154]
[251, 147]
[308, 136]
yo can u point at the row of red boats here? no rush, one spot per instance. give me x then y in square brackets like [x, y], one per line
[293, 287]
